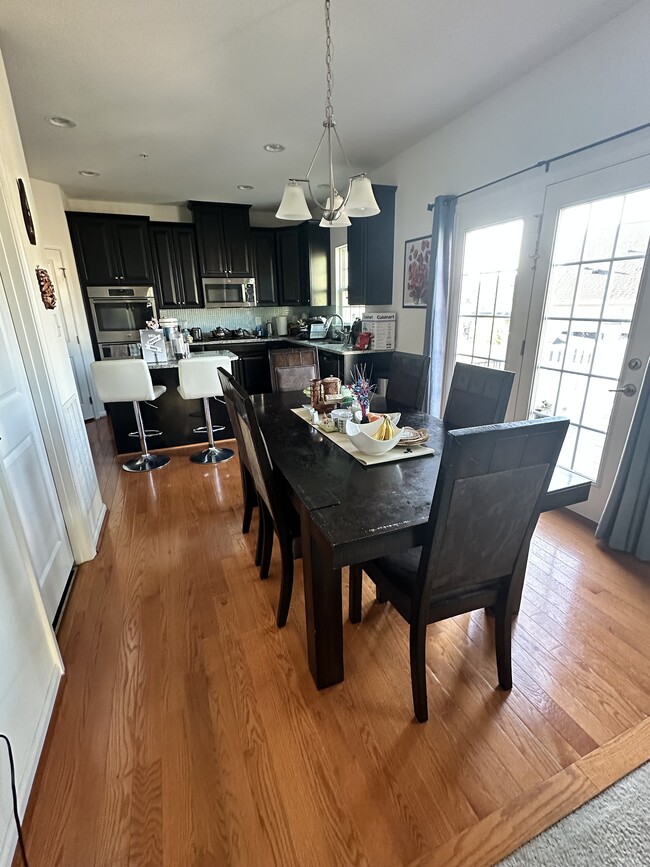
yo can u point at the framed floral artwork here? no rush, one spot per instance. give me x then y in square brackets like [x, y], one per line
[417, 253]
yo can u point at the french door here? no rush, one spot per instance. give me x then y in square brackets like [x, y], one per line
[492, 277]
[588, 334]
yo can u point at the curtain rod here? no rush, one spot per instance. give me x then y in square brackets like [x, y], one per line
[547, 163]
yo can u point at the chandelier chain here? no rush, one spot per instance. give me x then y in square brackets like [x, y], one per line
[329, 109]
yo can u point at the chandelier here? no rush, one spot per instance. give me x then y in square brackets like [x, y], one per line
[357, 200]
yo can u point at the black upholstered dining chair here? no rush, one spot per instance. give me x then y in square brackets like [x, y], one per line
[292, 369]
[277, 514]
[407, 381]
[478, 395]
[486, 503]
[249, 494]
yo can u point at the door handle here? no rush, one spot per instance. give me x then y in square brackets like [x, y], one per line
[628, 390]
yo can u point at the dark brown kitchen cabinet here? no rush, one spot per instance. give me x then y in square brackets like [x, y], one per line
[223, 238]
[252, 368]
[303, 254]
[370, 252]
[175, 263]
[111, 250]
[290, 270]
[265, 266]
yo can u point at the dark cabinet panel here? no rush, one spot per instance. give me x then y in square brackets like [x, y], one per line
[163, 257]
[304, 265]
[223, 236]
[188, 274]
[370, 252]
[174, 255]
[236, 234]
[330, 364]
[290, 273]
[252, 368]
[264, 266]
[93, 246]
[316, 247]
[111, 249]
[132, 248]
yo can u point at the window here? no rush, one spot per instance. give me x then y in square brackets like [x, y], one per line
[490, 261]
[347, 313]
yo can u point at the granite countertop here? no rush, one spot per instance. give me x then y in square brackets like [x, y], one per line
[338, 348]
[168, 365]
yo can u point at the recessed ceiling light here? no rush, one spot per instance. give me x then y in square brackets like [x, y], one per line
[244, 187]
[87, 173]
[273, 148]
[61, 122]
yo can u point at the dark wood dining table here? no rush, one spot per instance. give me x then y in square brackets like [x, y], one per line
[350, 512]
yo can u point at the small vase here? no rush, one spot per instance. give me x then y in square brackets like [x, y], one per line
[364, 416]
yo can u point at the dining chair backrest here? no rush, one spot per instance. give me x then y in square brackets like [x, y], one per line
[253, 444]
[488, 497]
[227, 379]
[407, 381]
[292, 369]
[478, 396]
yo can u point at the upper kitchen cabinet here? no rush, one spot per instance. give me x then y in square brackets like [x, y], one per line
[265, 266]
[370, 252]
[223, 237]
[303, 254]
[111, 249]
[175, 262]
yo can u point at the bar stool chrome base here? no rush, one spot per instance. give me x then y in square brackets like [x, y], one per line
[145, 463]
[213, 455]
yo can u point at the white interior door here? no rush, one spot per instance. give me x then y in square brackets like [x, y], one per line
[492, 276]
[589, 328]
[27, 472]
[68, 330]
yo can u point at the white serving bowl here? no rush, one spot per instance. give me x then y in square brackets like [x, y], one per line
[360, 435]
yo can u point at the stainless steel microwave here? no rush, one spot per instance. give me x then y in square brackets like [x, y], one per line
[229, 292]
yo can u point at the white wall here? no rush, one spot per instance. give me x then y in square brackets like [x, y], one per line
[45, 355]
[162, 213]
[595, 89]
[50, 204]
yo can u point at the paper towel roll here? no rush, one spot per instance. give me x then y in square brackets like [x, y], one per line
[281, 325]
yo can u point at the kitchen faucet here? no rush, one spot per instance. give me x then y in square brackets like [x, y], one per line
[329, 334]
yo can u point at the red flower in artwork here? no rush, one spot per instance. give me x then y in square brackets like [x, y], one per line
[417, 272]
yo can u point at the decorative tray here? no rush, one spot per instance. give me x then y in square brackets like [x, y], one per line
[412, 437]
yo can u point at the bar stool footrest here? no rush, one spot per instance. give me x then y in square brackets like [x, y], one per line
[216, 428]
[148, 433]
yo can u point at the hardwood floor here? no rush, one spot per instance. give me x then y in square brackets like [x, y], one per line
[188, 730]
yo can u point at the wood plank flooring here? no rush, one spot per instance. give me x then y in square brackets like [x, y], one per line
[188, 730]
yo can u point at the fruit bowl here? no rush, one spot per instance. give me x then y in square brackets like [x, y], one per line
[360, 435]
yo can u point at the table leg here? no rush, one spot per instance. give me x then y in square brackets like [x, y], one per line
[323, 606]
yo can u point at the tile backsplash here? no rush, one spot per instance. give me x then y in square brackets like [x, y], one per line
[237, 317]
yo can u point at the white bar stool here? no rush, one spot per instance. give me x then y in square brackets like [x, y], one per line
[119, 380]
[198, 377]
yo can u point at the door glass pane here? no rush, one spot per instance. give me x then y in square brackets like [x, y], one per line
[490, 262]
[593, 284]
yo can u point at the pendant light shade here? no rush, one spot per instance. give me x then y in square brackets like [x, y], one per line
[293, 205]
[357, 199]
[339, 217]
[361, 201]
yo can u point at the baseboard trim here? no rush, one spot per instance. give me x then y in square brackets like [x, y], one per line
[25, 784]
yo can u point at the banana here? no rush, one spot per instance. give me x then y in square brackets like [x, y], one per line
[386, 430]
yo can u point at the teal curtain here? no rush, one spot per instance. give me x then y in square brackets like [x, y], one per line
[625, 524]
[435, 335]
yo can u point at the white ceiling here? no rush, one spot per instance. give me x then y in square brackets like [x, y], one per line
[201, 85]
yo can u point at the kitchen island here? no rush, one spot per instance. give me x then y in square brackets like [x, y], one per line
[175, 417]
[334, 359]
